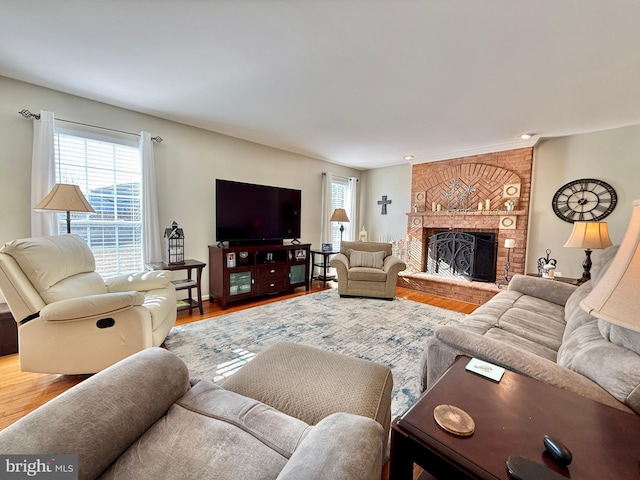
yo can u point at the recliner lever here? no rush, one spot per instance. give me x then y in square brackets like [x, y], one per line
[105, 323]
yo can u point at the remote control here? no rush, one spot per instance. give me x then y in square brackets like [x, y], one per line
[558, 451]
[521, 468]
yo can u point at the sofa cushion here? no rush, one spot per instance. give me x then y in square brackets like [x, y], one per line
[359, 258]
[213, 433]
[367, 274]
[79, 285]
[47, 260]
[614, 368]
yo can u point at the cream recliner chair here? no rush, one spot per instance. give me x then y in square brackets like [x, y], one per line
[70, 319]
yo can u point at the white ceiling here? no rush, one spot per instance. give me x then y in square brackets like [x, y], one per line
[355, 82]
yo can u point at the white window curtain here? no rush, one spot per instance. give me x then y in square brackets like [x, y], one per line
[325, 233]
[351, 207]
[151, 235]
[43, 174]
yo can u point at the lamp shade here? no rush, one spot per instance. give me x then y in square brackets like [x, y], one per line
[615, 298]
[589, 235]
[339, 215]
[64, 197]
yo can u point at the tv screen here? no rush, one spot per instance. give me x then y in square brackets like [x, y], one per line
[247, 212]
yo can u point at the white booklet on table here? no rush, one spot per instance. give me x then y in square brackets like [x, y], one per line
[486, 369]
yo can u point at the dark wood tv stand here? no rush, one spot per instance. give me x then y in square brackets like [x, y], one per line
[246, 271]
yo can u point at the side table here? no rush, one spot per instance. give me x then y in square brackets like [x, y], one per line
[322, 263]
[8, 331]
[571, 281]
[187, 283]
[511, 417]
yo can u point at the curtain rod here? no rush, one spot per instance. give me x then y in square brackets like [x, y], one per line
[27, 114]
[342, 178]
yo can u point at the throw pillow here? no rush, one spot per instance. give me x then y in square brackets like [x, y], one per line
[359, 258]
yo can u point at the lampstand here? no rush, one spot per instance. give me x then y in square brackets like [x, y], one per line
[65, 197]
[589, 236]
[339, 215]
[509, 243]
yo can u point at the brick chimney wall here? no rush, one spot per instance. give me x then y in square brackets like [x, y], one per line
[481, 178]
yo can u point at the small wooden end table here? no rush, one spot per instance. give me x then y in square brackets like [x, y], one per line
[187, 283]
[511, 418]
[323, 263]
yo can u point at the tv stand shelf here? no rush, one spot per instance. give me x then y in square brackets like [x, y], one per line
[246, 271]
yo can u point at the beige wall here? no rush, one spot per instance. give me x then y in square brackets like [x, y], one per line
[610, 155]
[395, 183]
[187, 163]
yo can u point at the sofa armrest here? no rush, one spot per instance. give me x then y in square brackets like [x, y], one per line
[542, 288]
[99, 418]
[90, 306]
[449, 342]
[342, 445]
[393, 264]
[139, 282]
[340, 262]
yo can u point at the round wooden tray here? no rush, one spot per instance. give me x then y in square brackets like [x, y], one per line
[454, 420]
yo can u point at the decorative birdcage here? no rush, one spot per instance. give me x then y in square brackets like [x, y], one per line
[174, 244]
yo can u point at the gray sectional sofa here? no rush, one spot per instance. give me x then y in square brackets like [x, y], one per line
[538, 328]
[143, 418]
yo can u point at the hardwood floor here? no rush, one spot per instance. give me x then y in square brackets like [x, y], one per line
[22, 392]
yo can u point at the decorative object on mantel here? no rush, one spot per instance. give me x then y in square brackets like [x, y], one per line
[65, 197]
[510, 205]
[420, 198]
[590, 236]
[174, 244]
[584, 200]
[415, 208]
[542, 261]
[340, 215]
[384, 202]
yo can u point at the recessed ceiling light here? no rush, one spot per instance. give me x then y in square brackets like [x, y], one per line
[526, 136]
[408, 157]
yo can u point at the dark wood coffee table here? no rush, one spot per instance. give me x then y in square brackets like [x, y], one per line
[511, 418]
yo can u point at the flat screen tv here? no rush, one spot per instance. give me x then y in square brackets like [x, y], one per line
[247, 213]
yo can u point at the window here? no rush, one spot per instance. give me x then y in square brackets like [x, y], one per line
[109, 173]
[339, 199]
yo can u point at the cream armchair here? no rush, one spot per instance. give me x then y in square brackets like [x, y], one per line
[367, 269]
[71, 320]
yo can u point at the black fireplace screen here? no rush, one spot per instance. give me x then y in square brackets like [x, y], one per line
[466, 255]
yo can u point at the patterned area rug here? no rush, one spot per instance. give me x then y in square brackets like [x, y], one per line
[393, 333]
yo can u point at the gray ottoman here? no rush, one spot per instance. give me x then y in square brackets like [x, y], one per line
[309, 383]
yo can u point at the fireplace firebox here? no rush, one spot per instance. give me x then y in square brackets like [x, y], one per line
[463, 255]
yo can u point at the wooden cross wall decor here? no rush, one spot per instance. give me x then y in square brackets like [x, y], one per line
[384, 202]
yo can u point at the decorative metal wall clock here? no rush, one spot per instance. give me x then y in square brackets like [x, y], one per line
[584, 200]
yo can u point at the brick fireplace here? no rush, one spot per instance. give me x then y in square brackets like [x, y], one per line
[468, 194]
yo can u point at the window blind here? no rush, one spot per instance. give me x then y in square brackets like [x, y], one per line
[109, 175]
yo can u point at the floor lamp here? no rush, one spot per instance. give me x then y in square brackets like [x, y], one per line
[589, 236]
[339, 215]
[64, 197]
